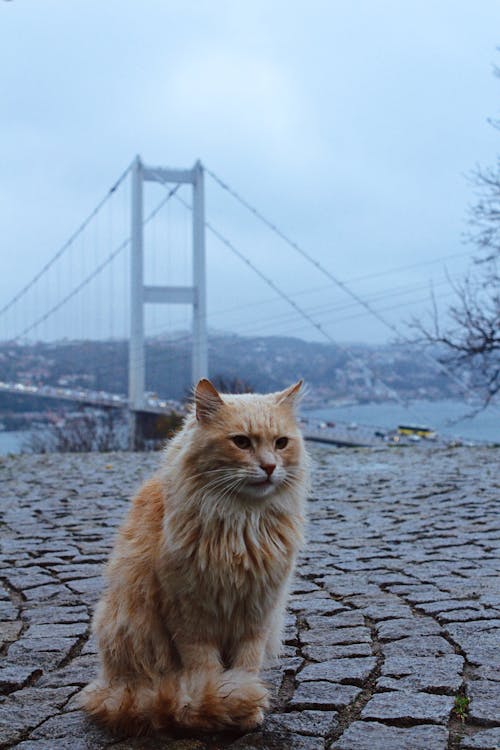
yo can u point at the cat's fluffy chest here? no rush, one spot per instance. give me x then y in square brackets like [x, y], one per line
[241, 550]
[231, 571]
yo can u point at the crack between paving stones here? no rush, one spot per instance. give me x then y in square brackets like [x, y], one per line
[456, 729]
[288, 682]
[17, 598]
[352, 712]
[75, 649]
[26, 733]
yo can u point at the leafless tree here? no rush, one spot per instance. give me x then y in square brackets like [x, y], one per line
[470, 341]
[87, 431]
[229, 384]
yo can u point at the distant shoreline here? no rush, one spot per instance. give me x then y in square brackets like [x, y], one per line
[446, 416]
[484, 427]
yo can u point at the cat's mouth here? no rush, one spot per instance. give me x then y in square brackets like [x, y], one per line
[261, 482]
[262, 487]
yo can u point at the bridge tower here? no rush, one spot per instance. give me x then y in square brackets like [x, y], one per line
[141, 295]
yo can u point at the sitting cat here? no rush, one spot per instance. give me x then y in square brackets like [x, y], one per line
[197, 581]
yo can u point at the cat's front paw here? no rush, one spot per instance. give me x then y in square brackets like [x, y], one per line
[246, 698]
[253, 720]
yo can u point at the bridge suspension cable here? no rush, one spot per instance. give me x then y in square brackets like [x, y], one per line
[303, 313]
[257, 326]
[342, 285]
[96, 271]
[69, 242]
[307, 256]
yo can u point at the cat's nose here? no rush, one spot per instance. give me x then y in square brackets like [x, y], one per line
[268, 468]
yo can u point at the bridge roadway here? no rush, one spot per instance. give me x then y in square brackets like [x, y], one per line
[393, 623]
[152, 404]
[313, 430]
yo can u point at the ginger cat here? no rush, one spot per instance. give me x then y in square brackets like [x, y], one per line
[197, 581]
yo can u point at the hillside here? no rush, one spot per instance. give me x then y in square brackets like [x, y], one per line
[359, 373]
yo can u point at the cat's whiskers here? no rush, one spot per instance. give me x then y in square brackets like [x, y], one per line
[221, 498]
[230, 491]
[228, 478]
[220, 481]
[203, 474]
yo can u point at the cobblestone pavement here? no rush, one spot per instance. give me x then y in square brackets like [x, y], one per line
[395, 612]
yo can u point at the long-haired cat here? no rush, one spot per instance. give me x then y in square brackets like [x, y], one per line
[197, 581]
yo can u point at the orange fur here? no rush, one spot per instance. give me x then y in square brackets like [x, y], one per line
[197, 581]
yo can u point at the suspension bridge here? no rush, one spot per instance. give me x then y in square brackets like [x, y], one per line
[137, 253]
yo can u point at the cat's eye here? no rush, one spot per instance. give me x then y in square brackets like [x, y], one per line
[242, 441]
[281, 443]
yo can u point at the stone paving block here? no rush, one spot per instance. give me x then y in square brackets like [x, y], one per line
[72, 725]
[323, 606]
[59, 646]
[47, 615]
[484, 704]
[172, 744]
[323, 695]
[316, 723]
[392, 630]
[442, 673]
[348, 619]
[303, 586]
[291, 664]
[74, 572]
[161, 742]
[79, 671]
[381, 608]
[416, 592]
[339, 670]
[460, 629]
[425, 645]
[349, 585]
[409, 706]
[90, 646]
[336, 636]
[63, 743]
[489, 672]
[435, 608]
[9, 631]
[367, 735]
[28, 707]
[466, 614]
[323, 653]
[40, 593]
[27, 578]
[7, 610]
[486, 739]
[15, 676]
[20, 656]
[432, 683]
[481, 649]
[56, 631]
[277, 741]
[92, 586]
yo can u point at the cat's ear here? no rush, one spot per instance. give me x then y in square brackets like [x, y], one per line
[289, 395]
[207, 400]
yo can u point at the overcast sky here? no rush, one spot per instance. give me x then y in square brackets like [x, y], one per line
[352, 125]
